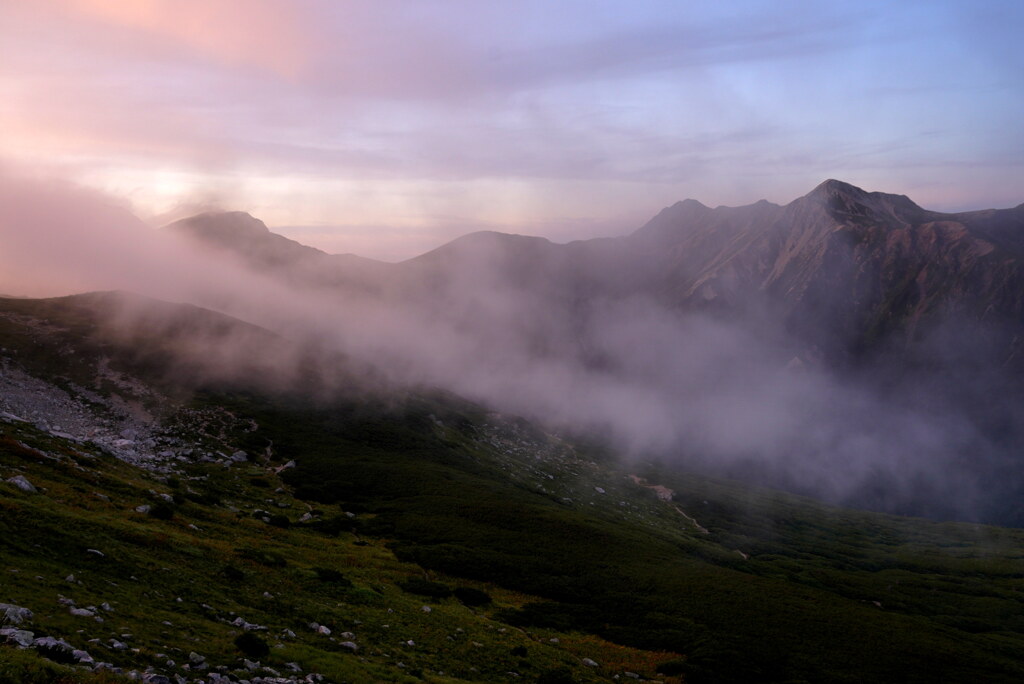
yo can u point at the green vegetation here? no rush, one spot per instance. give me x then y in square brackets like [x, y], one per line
[180, 585]
[449, 544]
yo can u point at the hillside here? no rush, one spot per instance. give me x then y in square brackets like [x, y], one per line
[850, 345]
[310, 522]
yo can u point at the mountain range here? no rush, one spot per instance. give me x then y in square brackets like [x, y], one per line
[513, 460]
[852, 270]
[850, 345]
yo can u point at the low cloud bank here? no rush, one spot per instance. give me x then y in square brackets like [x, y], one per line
[730, 395]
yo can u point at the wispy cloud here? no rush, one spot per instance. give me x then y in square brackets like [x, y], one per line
[703, 100]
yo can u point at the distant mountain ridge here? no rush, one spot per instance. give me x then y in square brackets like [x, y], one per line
[845, 267]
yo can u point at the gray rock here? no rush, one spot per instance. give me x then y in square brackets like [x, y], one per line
[81, 612]
[83, 657]
[57, 650]
[590, 663]
[195, 658]
[144, 508]
[13, 615]
[17, 637]
[154, 678]
[350, 645]
[239, 457]
[247, 626]
[21, 483]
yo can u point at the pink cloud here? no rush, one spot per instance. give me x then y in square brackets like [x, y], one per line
[268, 35]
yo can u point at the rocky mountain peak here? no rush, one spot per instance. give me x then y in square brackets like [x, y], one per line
[847, 203]
[222, 225]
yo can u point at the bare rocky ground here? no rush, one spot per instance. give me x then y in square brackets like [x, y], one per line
[119, 423]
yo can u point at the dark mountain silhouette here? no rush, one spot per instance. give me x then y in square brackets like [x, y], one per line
[909, 322]
[249, 238]
[849, 271]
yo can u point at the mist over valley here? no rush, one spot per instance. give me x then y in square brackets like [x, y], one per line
[548, 342]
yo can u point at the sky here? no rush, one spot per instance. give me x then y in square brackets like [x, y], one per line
[386, 128]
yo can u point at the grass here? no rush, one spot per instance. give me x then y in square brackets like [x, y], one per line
[725, 582]
[154, 572]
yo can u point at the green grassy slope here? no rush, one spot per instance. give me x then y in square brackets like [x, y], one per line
[176, 585]
[742, 585]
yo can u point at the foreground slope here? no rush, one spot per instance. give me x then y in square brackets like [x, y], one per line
[274, 513]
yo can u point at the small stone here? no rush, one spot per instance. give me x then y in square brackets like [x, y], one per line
[350, 645]
[590, 663]
[144, 508]
[96, 552]
[81, 612]
[426, 609]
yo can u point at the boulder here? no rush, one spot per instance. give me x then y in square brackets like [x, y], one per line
[21, 638]
[154, 678]
[11, 614]
[55, 649]
[23, 484]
